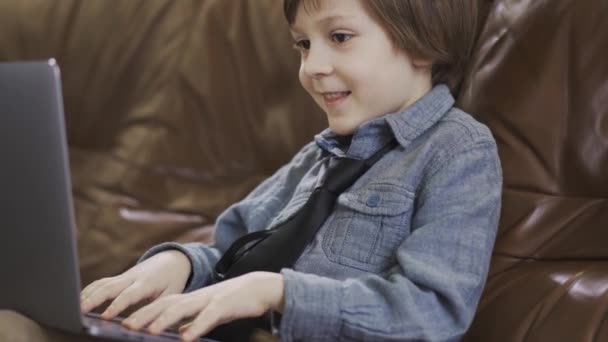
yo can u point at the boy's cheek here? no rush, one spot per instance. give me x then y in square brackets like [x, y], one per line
[308, 87]
[303, 80]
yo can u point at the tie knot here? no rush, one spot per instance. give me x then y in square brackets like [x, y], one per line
[342, 173]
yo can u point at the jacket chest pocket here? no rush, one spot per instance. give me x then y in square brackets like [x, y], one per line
[368, 226]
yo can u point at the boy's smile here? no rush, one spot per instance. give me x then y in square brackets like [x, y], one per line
[333, 99]
[350, 66]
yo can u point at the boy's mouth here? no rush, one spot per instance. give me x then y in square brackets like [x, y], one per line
[334, 98]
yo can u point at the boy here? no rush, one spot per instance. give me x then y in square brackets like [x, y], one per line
[405, 252]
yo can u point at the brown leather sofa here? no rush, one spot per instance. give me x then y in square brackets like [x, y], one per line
[177, 108]
[540, 81]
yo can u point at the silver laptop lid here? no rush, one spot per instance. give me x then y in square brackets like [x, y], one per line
[38, 259]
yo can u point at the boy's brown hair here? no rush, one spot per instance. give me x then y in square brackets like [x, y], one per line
[442, 31]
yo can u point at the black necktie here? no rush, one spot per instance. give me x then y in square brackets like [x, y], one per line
[280, 247]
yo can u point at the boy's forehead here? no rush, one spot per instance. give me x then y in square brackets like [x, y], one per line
[324, 12]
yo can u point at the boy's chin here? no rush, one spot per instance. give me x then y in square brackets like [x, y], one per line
[342, 128]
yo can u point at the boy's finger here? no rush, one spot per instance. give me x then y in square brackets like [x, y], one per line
[108, 291]
[130, 296]
[177, 310]
[185, 327]
[202, 324]
[145, 315]
[92, 287]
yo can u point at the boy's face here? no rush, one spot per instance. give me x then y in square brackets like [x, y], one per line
[350, 67]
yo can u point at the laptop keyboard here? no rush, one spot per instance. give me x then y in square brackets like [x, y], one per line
[114, 329]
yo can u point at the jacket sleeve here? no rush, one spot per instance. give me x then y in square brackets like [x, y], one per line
[255, 212]
[433, 291]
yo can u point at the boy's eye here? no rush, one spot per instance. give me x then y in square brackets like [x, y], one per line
[341, 37]
[301, 45]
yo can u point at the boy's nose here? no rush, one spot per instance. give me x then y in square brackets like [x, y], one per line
[317, 63]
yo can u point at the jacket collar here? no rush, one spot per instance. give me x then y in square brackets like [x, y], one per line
[405, 126]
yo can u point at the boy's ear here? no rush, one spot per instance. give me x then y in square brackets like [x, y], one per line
[422, 63]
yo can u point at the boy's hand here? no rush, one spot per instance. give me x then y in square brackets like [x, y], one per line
[163, 274]
[250, 295]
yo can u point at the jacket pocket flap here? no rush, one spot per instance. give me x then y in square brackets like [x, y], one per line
[378, 199]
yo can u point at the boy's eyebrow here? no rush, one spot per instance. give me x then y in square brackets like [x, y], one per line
[325, 21]
[331, 18]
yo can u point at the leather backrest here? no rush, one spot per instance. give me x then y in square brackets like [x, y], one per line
[540, 81]
[175, 110]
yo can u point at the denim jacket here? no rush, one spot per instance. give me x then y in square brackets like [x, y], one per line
[405, 254]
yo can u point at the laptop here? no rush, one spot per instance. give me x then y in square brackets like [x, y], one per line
[38, 254]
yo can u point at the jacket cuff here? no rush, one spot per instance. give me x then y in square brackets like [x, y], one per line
[199, 275]
[312, 307]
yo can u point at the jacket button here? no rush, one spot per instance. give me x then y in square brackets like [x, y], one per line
[373, 200]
